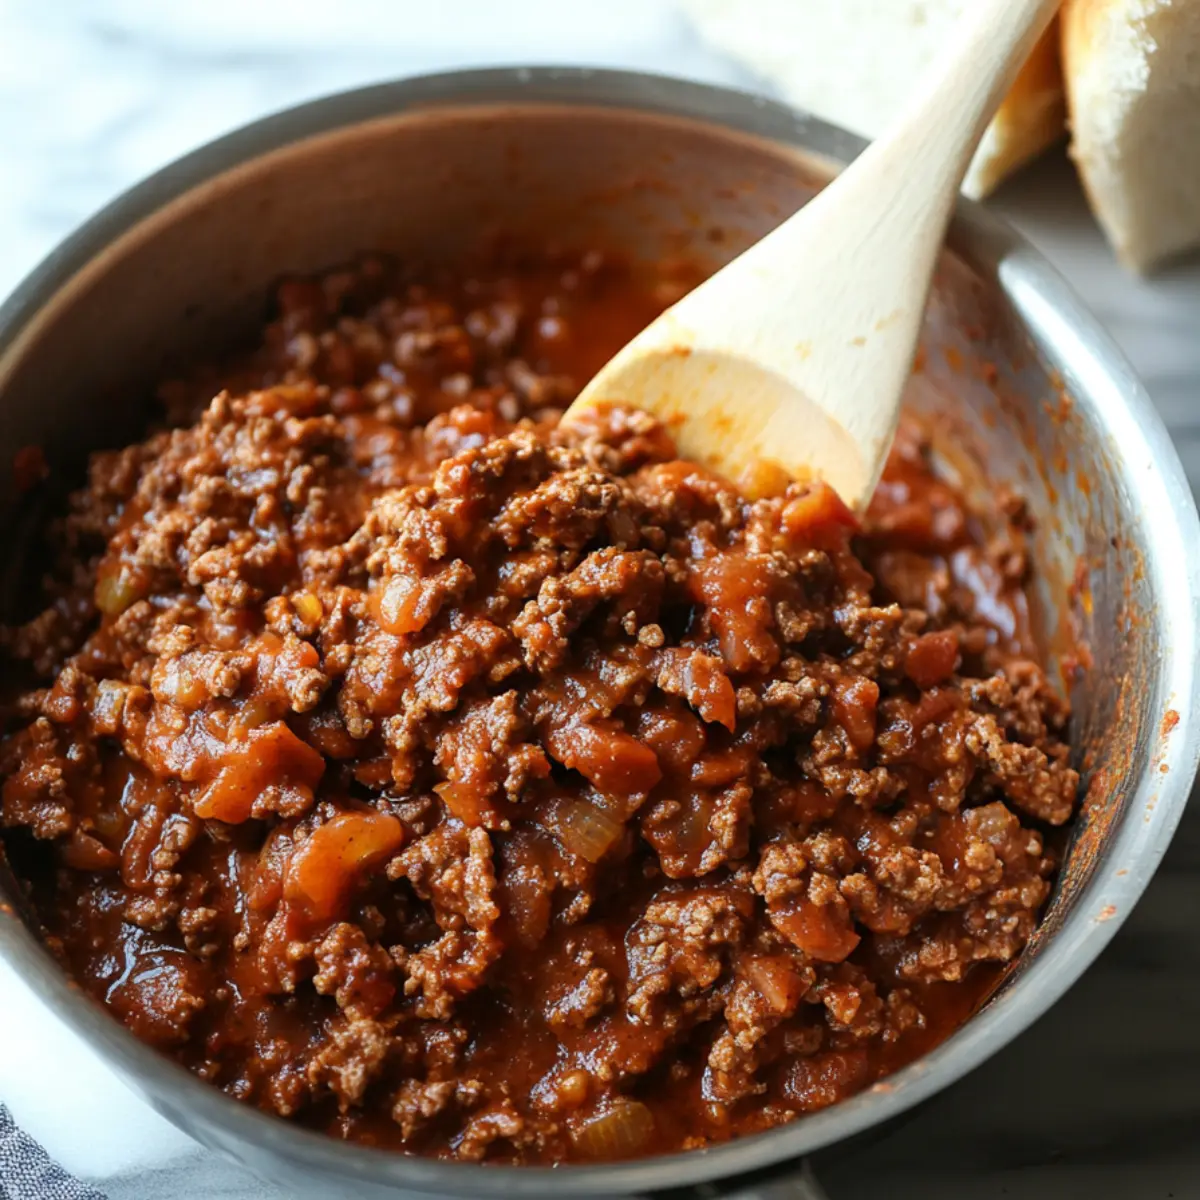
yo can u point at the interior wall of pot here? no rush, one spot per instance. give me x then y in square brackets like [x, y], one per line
[446, 183]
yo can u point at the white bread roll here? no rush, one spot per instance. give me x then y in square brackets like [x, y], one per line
[1133, 82]
[855, 63]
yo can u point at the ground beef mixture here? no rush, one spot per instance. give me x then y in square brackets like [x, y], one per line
[414, 768]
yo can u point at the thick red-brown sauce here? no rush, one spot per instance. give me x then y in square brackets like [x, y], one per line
[413, 769]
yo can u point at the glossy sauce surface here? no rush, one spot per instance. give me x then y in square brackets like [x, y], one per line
[412, 768]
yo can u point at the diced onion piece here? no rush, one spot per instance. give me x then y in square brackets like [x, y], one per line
[622, 1130]
[253, 713]
[111, 824]
[117, 587]
[177, 681]
[572, 1087]
[586, 830]
[109, 706]
[323, 870]
[405, 604]
[308, 607]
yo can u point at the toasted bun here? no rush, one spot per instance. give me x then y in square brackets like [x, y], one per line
[1032, 117]
[855, 63]
[1133, 84]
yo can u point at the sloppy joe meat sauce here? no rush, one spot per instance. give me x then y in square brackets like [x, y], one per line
[415, 769]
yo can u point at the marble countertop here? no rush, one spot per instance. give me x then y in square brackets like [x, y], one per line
[1101, 1098]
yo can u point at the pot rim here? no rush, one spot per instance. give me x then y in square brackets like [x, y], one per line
[1041, 296]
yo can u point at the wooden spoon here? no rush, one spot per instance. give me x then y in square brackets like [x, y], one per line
[790, 362]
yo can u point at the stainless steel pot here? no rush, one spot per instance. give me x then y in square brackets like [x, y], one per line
[1021, 381]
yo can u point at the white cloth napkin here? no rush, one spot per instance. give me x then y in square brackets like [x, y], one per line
[61, 1093]
[27, 1173]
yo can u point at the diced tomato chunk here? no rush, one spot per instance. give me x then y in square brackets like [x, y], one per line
[854, 702]
[271, 755]
[610, 758]
[932, 658]
[705, 686]
[468, 801]
[322, 872]
[818, 517]
[823, 931]
[676, 736]
[736, 589]
[777, 979]
[585, 829]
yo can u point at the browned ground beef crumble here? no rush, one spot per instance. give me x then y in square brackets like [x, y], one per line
[447, 780]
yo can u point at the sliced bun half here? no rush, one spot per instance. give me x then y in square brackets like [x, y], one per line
[856, 63]
[1133, 83]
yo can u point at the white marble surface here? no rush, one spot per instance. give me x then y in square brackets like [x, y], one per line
[1102, 1098]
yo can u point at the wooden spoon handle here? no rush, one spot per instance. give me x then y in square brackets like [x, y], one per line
[874, 236]
[948, 117]
[792, 359]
